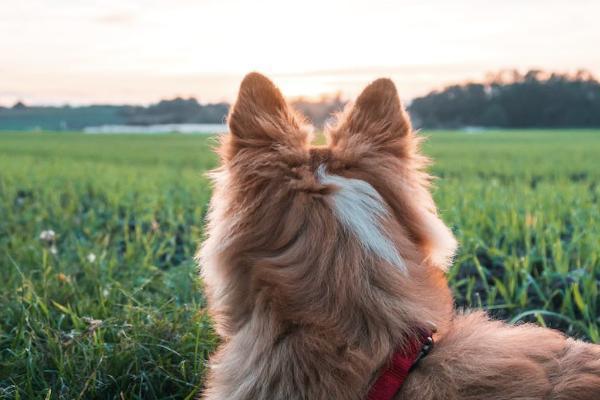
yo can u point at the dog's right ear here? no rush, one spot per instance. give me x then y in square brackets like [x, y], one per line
[261, 119]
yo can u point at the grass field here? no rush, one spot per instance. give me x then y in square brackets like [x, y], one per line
[112, 309]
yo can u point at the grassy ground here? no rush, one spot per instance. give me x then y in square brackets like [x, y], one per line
[111, 308]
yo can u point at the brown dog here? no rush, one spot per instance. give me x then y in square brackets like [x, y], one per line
[321, 262]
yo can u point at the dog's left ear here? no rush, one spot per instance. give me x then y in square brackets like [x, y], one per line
[261, 119]
[378, 118]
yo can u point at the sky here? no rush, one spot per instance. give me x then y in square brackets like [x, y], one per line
[139, 51]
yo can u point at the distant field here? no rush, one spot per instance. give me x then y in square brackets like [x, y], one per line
[112, 308]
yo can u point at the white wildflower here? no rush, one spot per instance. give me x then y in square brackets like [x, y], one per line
[91, 257]
[48, 236]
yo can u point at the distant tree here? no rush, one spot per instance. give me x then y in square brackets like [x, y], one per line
[510, 99]
[19, 105]
[494, 116]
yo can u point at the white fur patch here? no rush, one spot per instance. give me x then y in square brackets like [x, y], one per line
[361, 209]
[443, 242]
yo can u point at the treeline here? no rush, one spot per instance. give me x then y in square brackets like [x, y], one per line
[512, 100]
[505, 100]
[174, 111]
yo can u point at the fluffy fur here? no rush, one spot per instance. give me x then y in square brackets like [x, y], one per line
[362, 211]
[321, 261]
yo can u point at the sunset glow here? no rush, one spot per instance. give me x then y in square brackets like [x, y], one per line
[134, 51]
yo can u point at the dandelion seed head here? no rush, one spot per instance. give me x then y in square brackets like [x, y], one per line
[48, 236]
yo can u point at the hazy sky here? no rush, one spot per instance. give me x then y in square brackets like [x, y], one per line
[84, 51]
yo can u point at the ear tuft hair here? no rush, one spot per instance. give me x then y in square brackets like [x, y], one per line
[258, 92]
[380, 98]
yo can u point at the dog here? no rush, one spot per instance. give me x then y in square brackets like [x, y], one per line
[325, 265]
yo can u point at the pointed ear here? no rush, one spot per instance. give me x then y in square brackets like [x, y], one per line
[261, 117]
[377, 116]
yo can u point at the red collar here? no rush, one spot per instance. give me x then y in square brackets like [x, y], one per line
[403, 360]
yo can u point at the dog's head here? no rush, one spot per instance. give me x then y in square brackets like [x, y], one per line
[309, 228]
